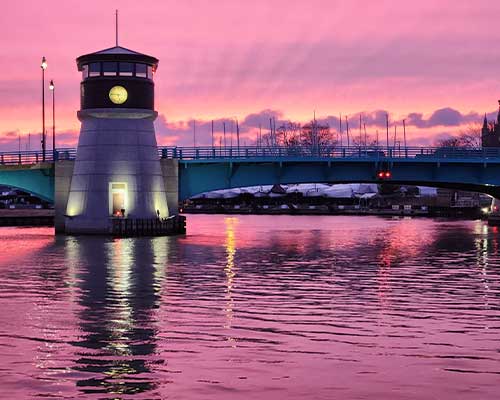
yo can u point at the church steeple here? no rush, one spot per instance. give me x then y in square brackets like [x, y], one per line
[490, 132]
[498, 117]
[486, 129]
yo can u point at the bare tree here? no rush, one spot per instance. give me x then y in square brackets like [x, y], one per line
[468, 137]
[316, 135]
[313, 136]
[288, 134]
[449, 142]
[364, 141]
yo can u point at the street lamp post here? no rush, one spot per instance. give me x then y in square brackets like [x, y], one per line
[44, 67]
[53, 90]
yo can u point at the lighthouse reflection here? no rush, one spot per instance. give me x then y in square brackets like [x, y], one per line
[120, 284]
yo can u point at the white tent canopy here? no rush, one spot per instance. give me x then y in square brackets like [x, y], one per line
[351, 190]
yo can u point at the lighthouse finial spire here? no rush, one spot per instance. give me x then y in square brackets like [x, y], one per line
[116, 27]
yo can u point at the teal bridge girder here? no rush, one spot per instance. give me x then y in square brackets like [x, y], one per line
[207, 169]
[203, 169]
[198, 176]
[37, 179]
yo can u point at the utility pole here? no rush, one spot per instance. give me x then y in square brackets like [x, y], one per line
[44, 142]
[224, 126]
[238, 136]
[53, 90]
[212, 133]
[387, 130]
[231, 136]
[347, 130]
[404, 132]
[271, 130]
[274, 130]
[194, 133]
[360, 139]
[340, 128]
[366, 136]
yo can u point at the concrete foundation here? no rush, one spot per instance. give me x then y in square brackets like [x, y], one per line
[62, 179]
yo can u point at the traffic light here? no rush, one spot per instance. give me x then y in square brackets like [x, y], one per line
[384, 174]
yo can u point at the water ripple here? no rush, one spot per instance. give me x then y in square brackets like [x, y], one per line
[260, 307]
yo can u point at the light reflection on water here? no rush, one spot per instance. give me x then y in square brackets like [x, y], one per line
[254, 307]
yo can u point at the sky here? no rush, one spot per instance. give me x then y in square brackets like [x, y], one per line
[434, 63]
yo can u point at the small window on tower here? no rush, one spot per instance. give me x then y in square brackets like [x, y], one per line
[94, 69]
[109, 68]
[85, 72]
[126, 69]
[150, 72]
[141, 70]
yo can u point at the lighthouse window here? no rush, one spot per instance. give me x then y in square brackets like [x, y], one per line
[141, 70]
[109, 68]
[94, 69]
[85, 72]
[150, 72]
[126, 69]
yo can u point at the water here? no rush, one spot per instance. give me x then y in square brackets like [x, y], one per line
[250, 307]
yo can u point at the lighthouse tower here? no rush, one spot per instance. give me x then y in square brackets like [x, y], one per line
[117, 172]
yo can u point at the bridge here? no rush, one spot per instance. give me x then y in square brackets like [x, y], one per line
[202, 169]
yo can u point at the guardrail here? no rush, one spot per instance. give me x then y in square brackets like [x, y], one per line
[252, 152]
[205, 153]
[34, 157]
[123, 227]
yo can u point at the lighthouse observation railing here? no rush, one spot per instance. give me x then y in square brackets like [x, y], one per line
[279, 153]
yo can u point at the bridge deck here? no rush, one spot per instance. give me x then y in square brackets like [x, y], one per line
[277, 153]
[208, 168]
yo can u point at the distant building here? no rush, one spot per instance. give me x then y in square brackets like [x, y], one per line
[490, 133]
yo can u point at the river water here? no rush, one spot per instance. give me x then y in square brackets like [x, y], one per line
[254, 307]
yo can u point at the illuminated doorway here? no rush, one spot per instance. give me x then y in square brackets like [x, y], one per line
[118, 199]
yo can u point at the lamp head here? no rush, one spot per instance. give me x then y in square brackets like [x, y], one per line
[51, 85]
[44, 63]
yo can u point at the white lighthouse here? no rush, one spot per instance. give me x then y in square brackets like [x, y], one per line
[117, 172]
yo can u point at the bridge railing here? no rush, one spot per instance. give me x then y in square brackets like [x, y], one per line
[252, 152]
[327, 152]
[34, 157]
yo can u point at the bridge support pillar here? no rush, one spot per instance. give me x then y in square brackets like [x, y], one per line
[494, 217]
[170, 171]
[63, 174]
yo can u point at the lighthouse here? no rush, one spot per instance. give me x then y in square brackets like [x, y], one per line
[117, 172]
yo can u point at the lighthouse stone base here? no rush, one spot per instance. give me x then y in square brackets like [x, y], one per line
[117, 172]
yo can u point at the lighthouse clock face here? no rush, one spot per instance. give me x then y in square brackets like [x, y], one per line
[118, 94]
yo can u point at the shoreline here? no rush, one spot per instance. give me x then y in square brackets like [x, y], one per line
[448, 214]
[26, 217]
[45, 217]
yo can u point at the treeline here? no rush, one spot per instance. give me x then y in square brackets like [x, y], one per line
[313, 135]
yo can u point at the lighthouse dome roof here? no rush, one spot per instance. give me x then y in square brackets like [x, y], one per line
[116, 53]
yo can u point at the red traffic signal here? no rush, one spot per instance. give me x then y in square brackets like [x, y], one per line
[384, 175]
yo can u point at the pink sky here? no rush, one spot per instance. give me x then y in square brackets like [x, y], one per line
[231, 59]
